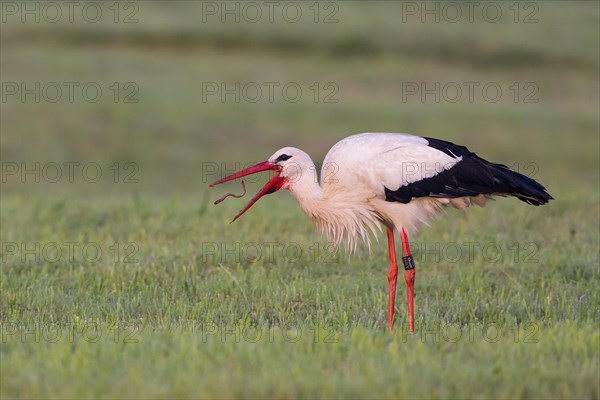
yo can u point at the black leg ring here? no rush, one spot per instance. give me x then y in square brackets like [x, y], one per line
[409, 262]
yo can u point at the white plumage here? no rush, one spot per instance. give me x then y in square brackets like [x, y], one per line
[350, 201]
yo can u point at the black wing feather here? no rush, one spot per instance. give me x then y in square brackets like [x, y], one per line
[471, 176]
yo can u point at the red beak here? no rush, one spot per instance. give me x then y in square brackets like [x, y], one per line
[273, 185]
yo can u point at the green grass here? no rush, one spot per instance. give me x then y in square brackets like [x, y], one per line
[180, 322]
[181, 304]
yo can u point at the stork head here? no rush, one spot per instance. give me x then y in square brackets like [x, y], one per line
[290, 165]
[294, 164]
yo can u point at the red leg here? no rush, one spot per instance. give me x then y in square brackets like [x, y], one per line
[409, 278]
[392, 277]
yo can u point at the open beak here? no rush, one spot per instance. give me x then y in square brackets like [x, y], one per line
[273, 185]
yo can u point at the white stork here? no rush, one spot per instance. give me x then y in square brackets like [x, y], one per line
[397, 180]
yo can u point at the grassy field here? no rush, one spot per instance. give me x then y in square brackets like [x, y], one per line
[131, 284]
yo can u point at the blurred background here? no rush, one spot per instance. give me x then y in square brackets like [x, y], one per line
[164, 97]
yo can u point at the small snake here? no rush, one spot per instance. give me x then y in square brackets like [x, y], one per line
[237, 196]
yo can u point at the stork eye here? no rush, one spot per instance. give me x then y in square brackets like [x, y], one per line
[283, 157]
